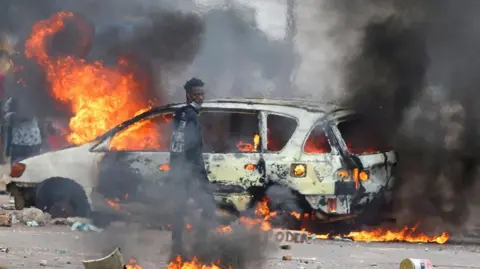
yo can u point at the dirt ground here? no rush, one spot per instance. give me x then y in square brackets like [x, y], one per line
[59, 247]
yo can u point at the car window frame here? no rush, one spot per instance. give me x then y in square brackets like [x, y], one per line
[341, 140]
[103, 141]
[327, 129]
[240, 110]
[266, 113]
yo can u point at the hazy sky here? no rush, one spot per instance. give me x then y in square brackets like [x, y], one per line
[270, 14]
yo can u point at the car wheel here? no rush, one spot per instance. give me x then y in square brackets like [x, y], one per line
[288, 205]
[371, 214]
[18, 197]
[62, 198]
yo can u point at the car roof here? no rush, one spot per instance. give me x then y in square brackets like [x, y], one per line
[324, 107]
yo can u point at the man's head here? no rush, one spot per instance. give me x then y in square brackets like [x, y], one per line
[194, 91]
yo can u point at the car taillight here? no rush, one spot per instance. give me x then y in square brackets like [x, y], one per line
[364, 175]
[342, 174]
[250, 167]
[298, 170]
[355, 175]
[17, 169]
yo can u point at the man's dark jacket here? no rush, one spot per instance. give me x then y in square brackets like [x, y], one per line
[186, 159]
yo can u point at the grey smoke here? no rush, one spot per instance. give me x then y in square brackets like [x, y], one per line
[162, 41]
[415, 75]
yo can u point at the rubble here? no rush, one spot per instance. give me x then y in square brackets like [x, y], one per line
[302, 260]
[81, 226]
[5, 219]
[31, 215]
[112, 261]
[8, 206]
[69, 221]
[32, 224]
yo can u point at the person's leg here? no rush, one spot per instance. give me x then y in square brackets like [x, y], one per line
[178, 225]
[204, 198]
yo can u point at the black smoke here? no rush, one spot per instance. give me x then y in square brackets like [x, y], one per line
[415, 75]
[145, 34]
[159, 41]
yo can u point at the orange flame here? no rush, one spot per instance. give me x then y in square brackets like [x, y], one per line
[224, 228]
[406, 234]
[178, 263]
[113, 204]
[164, 167]
[132, 264]
[249, 147]
[100, 97]
[264, 215]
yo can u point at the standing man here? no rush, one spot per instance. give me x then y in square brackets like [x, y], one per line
[187, 167]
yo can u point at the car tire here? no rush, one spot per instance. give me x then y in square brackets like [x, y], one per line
[371, 215]
[62, 198]
[284, 201]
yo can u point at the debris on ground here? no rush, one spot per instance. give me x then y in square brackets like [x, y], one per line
[69, 221]
[86, 227]
[287, 258]
[60, 221]
[342, 239]
[302, 260]
[43, 263]
[113, 260]
[285, 247]
[5, 219]
[4, 249]
[8, 206]
[32, 224]
[33, 214]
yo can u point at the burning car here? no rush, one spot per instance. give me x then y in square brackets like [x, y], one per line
[328, 157]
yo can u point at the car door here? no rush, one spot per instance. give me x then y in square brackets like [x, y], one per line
[136, 157]
[232, 148]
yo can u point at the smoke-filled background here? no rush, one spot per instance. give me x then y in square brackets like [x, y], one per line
[409, 66]
[414, 73]
[166, 43]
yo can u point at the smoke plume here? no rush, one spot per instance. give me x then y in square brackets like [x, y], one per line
[414, 75]
[160, 42]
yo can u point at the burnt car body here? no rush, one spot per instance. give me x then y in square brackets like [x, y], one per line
[323, 154]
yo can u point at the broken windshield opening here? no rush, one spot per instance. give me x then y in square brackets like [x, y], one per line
[361, 137]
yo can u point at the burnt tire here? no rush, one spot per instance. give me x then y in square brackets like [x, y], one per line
[372, 213]
[62, 198]
[285, 201]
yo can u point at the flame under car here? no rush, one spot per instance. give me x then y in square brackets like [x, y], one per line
[327, 157]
